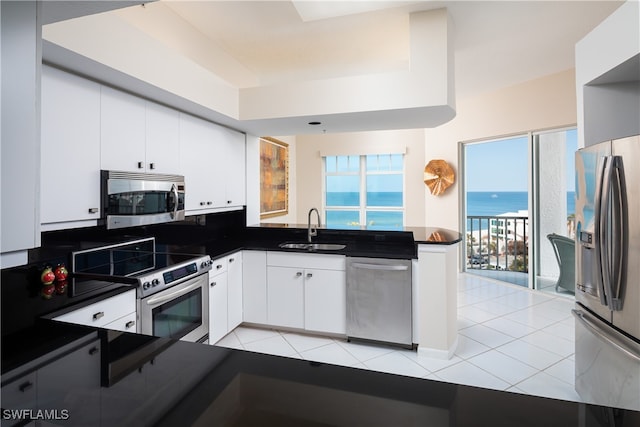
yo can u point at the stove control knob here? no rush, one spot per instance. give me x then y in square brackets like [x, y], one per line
[205, 264]
[155, 282]
[146, 285]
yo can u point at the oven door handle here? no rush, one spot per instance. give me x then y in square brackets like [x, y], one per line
[164, 298]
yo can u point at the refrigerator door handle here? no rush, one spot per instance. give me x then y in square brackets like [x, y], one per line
[621, 343]
[601, 201]
[619, 233]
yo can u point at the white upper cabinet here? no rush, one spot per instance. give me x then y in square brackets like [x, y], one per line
[162, 139]
[198, 163]
[70, 149]
[122, 131]
[235, 161]
[137, 135]
[212, 160]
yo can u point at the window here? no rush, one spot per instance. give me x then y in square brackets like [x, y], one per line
[365, 190]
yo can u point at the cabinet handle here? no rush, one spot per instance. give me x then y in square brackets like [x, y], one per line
[98, 315]
[130, 324]
[229, 202]
[94, 350]
[93, 210]
[140, 165]
[218, 267]
[309, 275]
[202, 203]
[209, 203]
[25, 386]
[298, 274]
[231, 259]
[152, 165]
[213, 284]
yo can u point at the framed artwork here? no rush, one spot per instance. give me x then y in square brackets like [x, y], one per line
[274, 177]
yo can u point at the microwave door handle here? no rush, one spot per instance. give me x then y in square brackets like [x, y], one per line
[619, 221]
[174, 200]
[600, 203]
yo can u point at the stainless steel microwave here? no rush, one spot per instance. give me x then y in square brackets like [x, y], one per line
[130, 199]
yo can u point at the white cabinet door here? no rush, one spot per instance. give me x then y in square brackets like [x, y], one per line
[285, 296]
[102, 312]
[325, 308]
[235, 164]
[70, 151]
[122, 131]
[217, 305]
[197, 163]
[254, 287]
[162, 140]
[234, 297]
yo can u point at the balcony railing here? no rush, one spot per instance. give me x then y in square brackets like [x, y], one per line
[498, 243]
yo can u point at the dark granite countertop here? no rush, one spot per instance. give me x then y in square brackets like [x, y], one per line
[163, 382]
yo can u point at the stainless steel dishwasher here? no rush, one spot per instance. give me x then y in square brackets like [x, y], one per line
[379, 300]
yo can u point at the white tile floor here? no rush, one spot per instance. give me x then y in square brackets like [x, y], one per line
[510, 338]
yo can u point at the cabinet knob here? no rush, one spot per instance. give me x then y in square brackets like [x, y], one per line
[213, 284]
[140, 165]
[309, 275]
[152, 165]
[98, 315]
[93, 350]
[218, 267]
[130, 324]
[202, 203]
[209, 203]
[93, 210]
[298, 274]
[231, 259]
[229, 202]
[25, 386]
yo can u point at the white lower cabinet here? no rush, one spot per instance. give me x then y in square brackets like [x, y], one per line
[285, 296]
[218, 292]
[225, 296]
[306, 291]
[254, 287]
[234, 295]
[325, 297]
[106, 313]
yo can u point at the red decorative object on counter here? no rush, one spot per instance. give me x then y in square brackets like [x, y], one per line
[60, 272]
[47, 277]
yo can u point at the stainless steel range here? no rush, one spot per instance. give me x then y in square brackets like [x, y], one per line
[172, 288]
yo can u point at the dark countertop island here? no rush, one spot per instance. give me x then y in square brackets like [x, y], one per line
[163, 382]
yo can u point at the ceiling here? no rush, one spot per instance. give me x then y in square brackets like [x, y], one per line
[255, 43]
[497, 43]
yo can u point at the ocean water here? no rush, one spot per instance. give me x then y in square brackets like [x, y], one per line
[489, 203]
[479, 203]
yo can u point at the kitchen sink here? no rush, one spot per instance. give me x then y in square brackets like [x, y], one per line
[313, 246]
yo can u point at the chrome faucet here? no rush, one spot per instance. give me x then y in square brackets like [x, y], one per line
[311, 232]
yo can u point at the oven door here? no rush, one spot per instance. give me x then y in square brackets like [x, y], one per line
[180, 312]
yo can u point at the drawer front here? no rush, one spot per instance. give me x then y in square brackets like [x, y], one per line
[127, 323]
[318, 261]
[219, 265]
[103, 312]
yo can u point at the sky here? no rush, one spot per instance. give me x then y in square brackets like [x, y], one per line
[503, 165]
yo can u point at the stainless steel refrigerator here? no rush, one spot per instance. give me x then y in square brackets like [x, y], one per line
[607, 312]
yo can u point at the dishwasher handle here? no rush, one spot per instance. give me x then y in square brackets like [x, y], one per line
[379, 266]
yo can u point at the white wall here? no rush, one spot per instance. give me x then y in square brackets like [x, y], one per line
[544, 103]
[309, 166]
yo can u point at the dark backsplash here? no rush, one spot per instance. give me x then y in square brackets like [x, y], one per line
[22, 283]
